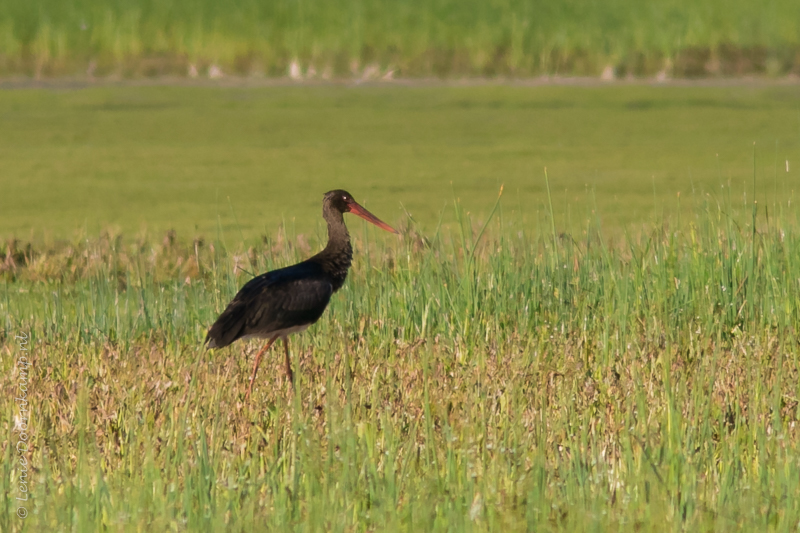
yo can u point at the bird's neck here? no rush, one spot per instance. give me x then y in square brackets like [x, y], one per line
[338, 254]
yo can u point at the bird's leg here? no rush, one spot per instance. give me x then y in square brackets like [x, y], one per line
[255, 366]
[289, 372]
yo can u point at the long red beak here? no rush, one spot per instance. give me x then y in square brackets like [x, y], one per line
[369, 217]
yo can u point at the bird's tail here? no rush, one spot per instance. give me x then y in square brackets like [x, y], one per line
[210, 341]
[229, 327]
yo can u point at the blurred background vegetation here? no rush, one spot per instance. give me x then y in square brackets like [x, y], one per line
[243, 160]
[372, 38]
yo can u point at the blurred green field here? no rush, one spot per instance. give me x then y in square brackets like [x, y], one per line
[411, 38]
[133, 159]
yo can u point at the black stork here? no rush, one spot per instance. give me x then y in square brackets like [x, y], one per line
[288, 300]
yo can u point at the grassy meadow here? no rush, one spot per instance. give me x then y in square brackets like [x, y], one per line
[132, 159]
[590, 351]
[371, 38]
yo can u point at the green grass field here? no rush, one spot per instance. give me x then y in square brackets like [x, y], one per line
[77, 162]
[356, 38]
[608, 356]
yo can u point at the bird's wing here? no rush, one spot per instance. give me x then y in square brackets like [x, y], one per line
[284, 298]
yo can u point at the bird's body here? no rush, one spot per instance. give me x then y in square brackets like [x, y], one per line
[279, 302]
[288, 300]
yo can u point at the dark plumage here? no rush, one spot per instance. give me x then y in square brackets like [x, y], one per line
[288, 300]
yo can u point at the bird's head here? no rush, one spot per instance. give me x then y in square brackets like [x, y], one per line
[343, 202]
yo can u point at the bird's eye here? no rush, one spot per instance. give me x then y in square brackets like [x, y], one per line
[344, 198]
